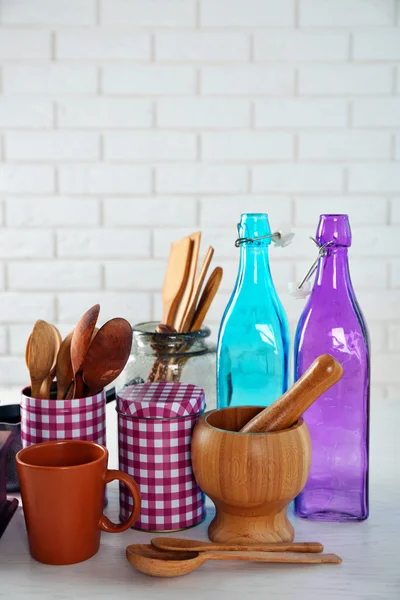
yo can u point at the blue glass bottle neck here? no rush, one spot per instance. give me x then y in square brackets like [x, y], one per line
[333, 270]
[254, 269]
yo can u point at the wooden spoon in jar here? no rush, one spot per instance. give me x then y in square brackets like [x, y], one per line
[81, 338]
[40, 355]
[161, 563]
[107, 355]
[46, 385]
[209, 292]
[64, 371]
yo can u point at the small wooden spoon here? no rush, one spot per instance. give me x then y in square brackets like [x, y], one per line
[180, 544]
[160, 563]
[324, 372]
[40, 355]
[197, 289]
[107, 355]
[46, 385]
[64, 371]
[175, 278]
[81, 338]
[206, 298]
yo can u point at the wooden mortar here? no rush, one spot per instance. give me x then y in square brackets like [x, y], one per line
[250, 477]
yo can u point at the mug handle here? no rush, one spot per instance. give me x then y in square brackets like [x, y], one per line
[105, 524]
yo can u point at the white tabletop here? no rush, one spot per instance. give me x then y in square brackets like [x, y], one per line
[370, 552]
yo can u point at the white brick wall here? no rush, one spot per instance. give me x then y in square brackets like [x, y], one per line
[125, 124]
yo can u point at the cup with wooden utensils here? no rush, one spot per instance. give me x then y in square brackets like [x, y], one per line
[252, 462]
[163, 563]
[84, 363]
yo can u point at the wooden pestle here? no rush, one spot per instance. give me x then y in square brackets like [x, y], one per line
[324, 372]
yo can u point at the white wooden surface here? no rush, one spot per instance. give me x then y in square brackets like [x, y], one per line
[370, 551]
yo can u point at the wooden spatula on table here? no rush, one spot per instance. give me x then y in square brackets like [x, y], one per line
[179, 262]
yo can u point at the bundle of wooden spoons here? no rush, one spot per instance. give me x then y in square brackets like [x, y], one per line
[86, 361]
[186, 295]
[169, 557]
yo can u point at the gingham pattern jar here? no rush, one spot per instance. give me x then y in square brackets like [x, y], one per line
[80, 419]
[155, 424]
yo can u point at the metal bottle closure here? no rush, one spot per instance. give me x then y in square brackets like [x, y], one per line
[280, 238]
[303, 289]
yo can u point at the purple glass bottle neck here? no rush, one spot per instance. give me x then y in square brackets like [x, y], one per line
[333, 270]
[334, 228]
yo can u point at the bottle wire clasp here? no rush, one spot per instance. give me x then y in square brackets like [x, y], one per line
[280, 238]
[302, 290]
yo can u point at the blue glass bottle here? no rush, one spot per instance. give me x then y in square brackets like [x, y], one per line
[253, 341]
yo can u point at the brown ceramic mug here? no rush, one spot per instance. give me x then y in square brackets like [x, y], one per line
[62, 489]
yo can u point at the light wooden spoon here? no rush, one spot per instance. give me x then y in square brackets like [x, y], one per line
[175, 278]
[46, 385]
[197, 289]
[180, 544]
[206, 298]
[160, 563]
[41, 352]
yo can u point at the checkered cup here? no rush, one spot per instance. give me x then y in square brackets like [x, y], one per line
[155, 424]
[77, 419]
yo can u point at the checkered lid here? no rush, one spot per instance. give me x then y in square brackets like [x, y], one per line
[160, 400]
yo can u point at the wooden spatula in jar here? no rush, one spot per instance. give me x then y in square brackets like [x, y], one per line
[187, 290]
[324, 372]
[179, 262]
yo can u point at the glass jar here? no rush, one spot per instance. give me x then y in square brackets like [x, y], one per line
[176, 357]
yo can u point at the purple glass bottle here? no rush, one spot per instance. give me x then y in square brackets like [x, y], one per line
[332, 322]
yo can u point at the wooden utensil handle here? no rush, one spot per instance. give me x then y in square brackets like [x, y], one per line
[324, 372]
[274, 557]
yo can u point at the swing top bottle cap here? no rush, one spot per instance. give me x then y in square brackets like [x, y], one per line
[334, 228]
[254, 225]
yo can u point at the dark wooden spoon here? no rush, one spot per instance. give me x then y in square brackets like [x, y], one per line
[80, 343]
[107, 355]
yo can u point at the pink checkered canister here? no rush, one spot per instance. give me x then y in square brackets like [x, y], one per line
[155, 424]
[80, 419]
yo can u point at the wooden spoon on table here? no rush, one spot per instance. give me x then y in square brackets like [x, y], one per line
[324, 372]
[107, 355]
[175, 278]
[161, 563]
[81, 338]
[189, 282]
[46, 385]
[197, 289]
[181, 544]
[40, 355]
[211, 288]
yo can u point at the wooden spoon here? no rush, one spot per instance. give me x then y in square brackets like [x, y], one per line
[160, 563]
[64, 371]
[324, 372]
[46, 385]
[206, 298]
[107, 355]
[175, 278]
[40, 355]
[188, 287]
[197, 289]
[180, 544]
[81, 338]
